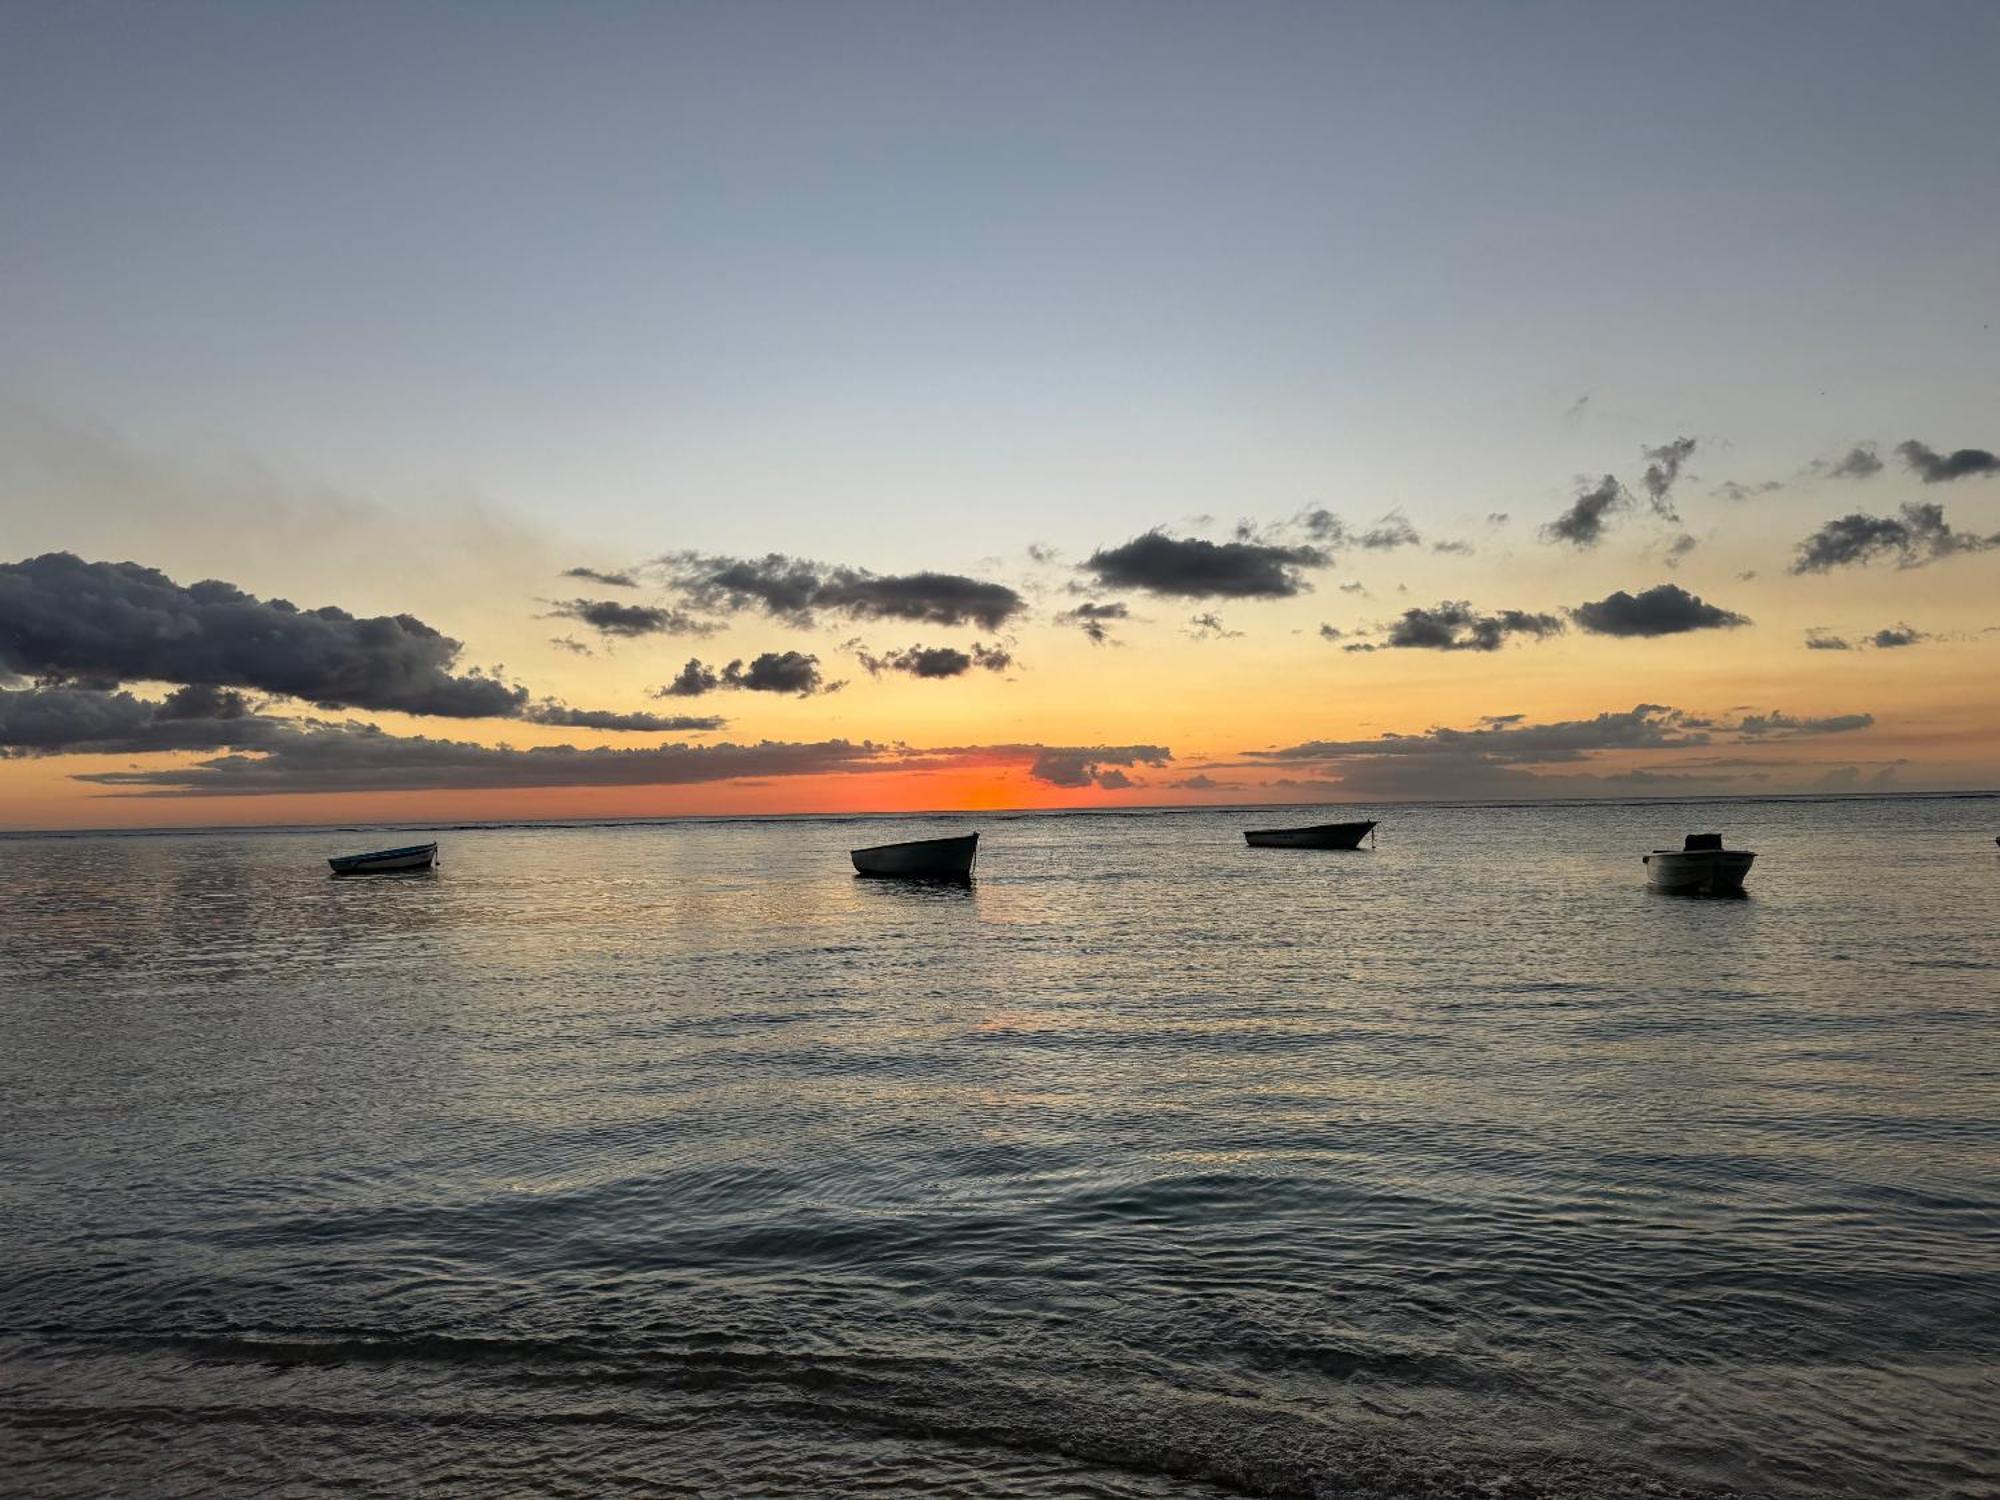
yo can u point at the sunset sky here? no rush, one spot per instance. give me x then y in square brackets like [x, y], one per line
[430, 412]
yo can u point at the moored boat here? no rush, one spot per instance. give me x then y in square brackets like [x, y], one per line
[920, 859]
[1700, 867]
[1317, 836]
[386, 861]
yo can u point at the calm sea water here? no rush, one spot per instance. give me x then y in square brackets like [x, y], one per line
[675, 1160]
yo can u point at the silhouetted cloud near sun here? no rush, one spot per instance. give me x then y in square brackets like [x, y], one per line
[797, 590]
[1098, 765]
[1664, 609]
[65, 619]
[71, 720]
[774, 672]
[1192, 568]
[1456, 626]
[1920, 535]
[1938, 468]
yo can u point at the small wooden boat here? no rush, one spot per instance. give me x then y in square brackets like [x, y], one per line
[920, 859]
[384, 861]
[1700, 867]
[1318, 836]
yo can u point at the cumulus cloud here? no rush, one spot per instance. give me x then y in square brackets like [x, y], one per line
[1582, 525]
[1331, 632]
[611, 617]
[1936, 468]
[1201, 781]
[64, 619]
[1454, 548]
[933, 661]
[1192, 568]
[1093, 765]
[773, 672]
[609, 580]
[65, 720]
[1893, 636]
[1455, 626]
[1664, 609]
[1920, 535]
[1095, 619]
[797, 590]
[1820, 639]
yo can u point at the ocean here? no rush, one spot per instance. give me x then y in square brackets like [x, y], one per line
[671, 1159]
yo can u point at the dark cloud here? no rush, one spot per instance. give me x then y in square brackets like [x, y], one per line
[1191, 568]
[1496, 758]
[1582, 525]
[65, 619]
[1663, 470]
[1037, 553]
[1456, 626]
[1331, 633]
[1094, 619]
[796, 589]
[1729, 489]
[610, 617]
[1679, 548]
[1936, 468]
[1818, 639]
[1896, 635]
[1785, 726]
[1391, 532]
[601, 718]
[1664, 609]
[609, 580]
[933, 661]
[692, 681]
[290, 757]
[65, 720]
[1859, 462]
[1454, 548]
[1201, 781]
[1920, 535]
[570, 644]
[1093, 765]
[773, 672]
[1209, 627]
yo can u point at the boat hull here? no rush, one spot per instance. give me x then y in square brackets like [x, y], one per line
[919, 859]
[1699, 872]
[386, 861]
[1319, 836]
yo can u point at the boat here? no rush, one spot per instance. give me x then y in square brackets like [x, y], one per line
[1318, 836]
[386, 861]
[1700, 867]
[920, 859]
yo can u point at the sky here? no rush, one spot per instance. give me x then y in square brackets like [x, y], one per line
[991, 406]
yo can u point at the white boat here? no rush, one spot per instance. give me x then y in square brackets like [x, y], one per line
[1700, 867]
[920, 859]
[384, 861]
[1318, 836]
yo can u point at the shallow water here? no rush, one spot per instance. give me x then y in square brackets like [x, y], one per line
[673, 1159]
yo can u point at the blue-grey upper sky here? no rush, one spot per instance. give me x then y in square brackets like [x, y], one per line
[751, 275]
